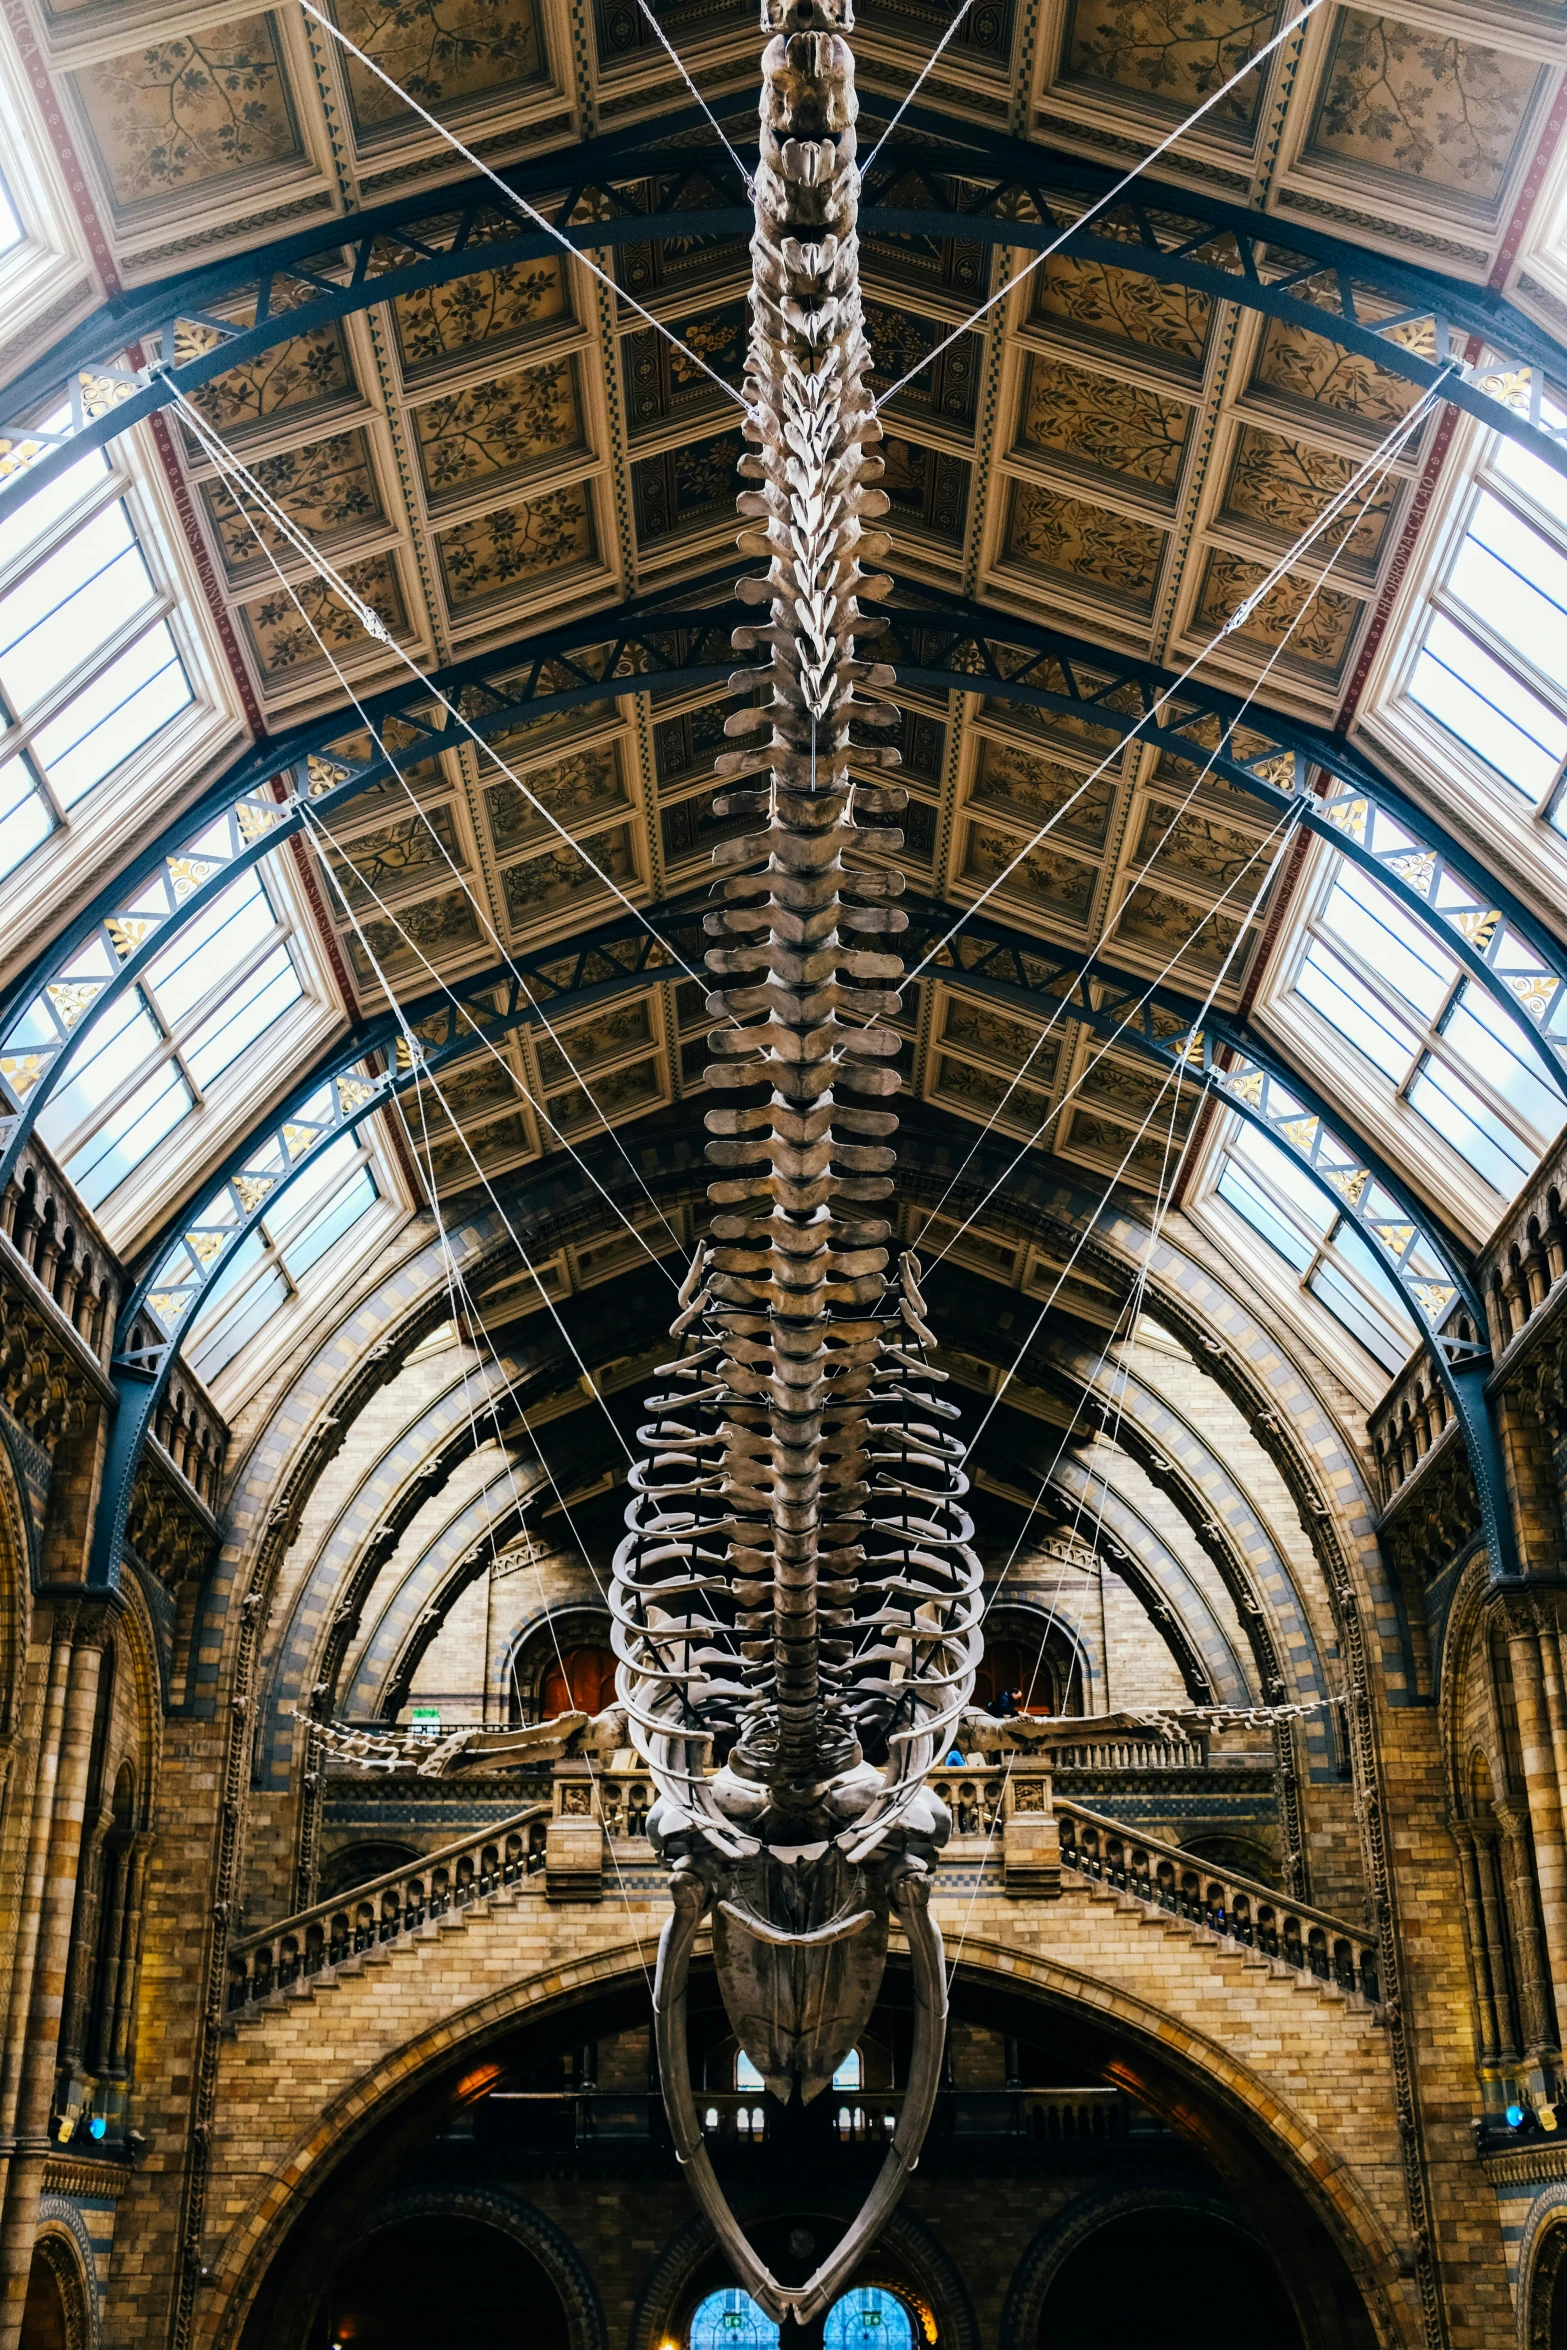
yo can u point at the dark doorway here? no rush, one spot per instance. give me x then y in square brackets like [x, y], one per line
[441, 2284]
[1157, 2276]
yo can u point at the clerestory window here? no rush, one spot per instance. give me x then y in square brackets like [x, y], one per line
[1378, 977]
[89, 669]
[1330, 1259]
[319, 1209]
[155, 1055]
[1491, 668]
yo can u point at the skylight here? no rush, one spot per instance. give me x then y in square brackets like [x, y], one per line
[1330, 1259]
[1492, 667]
[154, 1055]
[10, 226]
[89, 670]
[1378, 976]
[323, 1204]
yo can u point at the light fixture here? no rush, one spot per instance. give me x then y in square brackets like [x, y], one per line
[1514, 2116]
[98, 2126]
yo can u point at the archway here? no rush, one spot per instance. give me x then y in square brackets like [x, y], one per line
[441, 2281]
[582, 1680]
[55, 2314]
[1156, 2275]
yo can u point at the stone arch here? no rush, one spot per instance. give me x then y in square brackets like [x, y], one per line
[546, 1637]
[905, 2256]
[1066, 2231]
[66, 2305]
[508, 2216]
[1310, 2165]
[1542, 2270]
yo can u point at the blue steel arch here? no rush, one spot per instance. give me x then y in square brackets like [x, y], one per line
[635, 185]
[1215, 1053]
[651, 645]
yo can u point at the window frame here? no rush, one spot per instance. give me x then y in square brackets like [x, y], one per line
[1267, 1271]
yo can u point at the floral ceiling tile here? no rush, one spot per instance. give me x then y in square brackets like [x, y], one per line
[1186, 843]
[577, 789]
[326, 488]
[1415, 105]
[662, 380]
[1166, 926]
[1104, 425]
[980, 1028]
[1308, 371]
[1105, 1142]
[1285, 486]
[1057, 884]
[185, 114]
[497, 428]
[1110, 305]
[500, 1144]
[928, 487]
[618, 1093]
[493, 306]
[546, 883]
[1309, 625]
[285, 638]
[901, 340]
[1090, 544]
[1031, 789]
[440, 51]
[980, 1093]
[1170, 50]
[683, 487]
[607, 1037]
[465, 1093]
[517, 546]
[302, 373]
[413, 849]
[1136, 1092]
[688, 743]
[433, 929]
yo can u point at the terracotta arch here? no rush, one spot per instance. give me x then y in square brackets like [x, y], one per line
[1311, 2165]
[61, 2305]
[1542, 2266]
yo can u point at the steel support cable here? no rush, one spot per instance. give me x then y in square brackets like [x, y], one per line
[920, 79]
[237, 492]
[1274, 657]
[1285, 32]
[679, 64]
[1141, 874]
[521, 204]
[1383, 457]
[373, 625]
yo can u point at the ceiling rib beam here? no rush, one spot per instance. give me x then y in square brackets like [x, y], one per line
[634, 186]
[1215, 1053]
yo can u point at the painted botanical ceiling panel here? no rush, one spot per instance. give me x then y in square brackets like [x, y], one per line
[1100, 453]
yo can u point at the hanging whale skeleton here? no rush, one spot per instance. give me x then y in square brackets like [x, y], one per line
[796, 1604]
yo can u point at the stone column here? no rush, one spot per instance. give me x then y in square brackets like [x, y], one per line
[1536, 2017]
[34, 1871]
[1542, 1791]
[35, 2089]
[1488, 1872]
[1463, 1835]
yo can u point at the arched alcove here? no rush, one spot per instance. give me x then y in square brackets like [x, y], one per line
[1151, 2275]
[55, 2316]
[449, 2273]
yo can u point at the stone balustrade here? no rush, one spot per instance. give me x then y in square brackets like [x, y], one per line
[56, 1245]
[1239, 1908]
[1407, 1426]
[387, 1908]
[1134, 1754]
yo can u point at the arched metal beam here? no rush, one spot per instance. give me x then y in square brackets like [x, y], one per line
[636, 185]
[653, 644]
[1213, 1053]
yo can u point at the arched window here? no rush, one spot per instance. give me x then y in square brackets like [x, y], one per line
[731, 2321]
[1023, 1666]
[746, 2074]
[848, 2075]
[581, 1681]
[868, 2319]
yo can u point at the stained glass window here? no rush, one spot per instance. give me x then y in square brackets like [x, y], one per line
[731, 2320]
[868, 2319]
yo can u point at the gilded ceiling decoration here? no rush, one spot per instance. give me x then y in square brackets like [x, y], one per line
[298, 375]
[494, 307]
[1018, 1108]
[1311, 627]
[444, 52]
[1186, 843]
[1117, 306]
[608, 1036]
[287, 638]
[184, 114]
[901, 340]
[517, 546]
[431, 929]
[1090, 544]
[662, 382]
[328, 489]
[557, 879]
[1015, 1044]
[492, 430]
[1028, 788]
[1047, 881]
[684, 486]
[928, 487]
[1407, 103]
[388, 861]
[614, 1093]
[581, 787]
[1169, 51]
[1285, 485]
[1167, 926]
[1104, 425]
